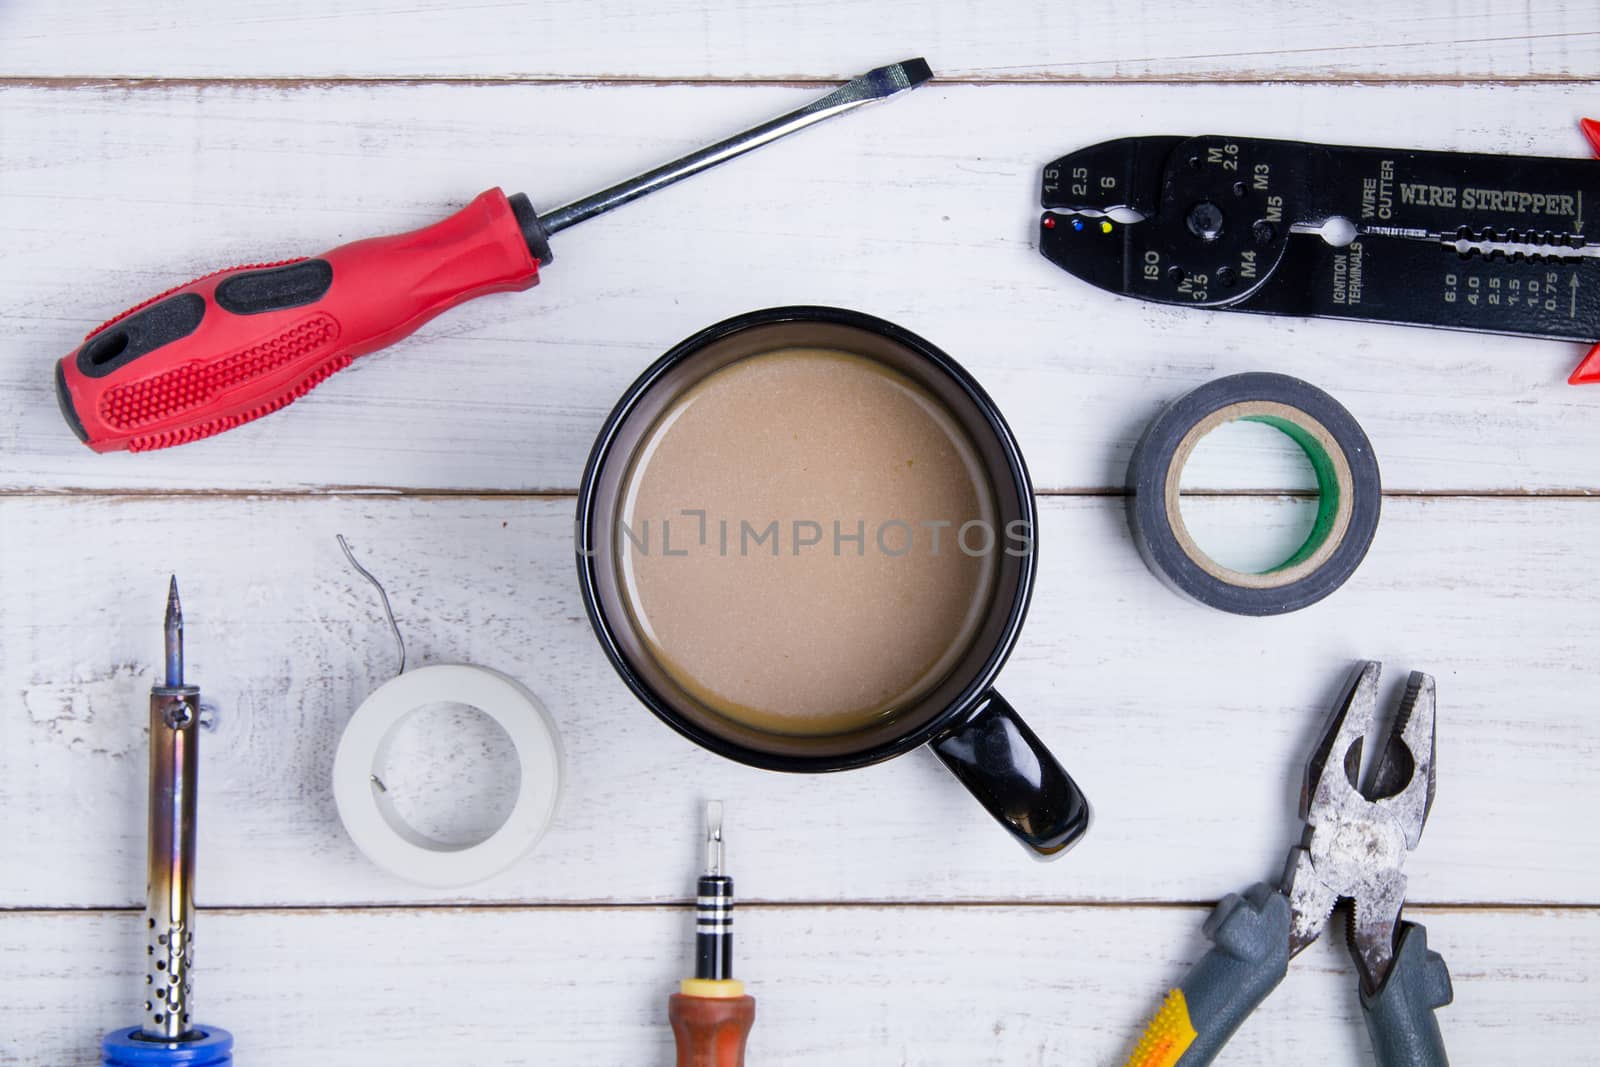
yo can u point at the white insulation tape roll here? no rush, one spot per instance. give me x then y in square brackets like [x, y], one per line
[370, 816]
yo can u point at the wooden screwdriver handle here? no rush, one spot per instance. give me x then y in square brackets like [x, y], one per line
[711, 1031]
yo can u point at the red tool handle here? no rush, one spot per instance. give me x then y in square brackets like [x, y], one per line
[710, 1031]
[1588, 372]
[238, 344]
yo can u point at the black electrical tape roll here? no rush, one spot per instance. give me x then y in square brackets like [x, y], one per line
[1347, 480]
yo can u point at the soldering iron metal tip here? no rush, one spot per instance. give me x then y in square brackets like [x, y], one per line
[174, 635]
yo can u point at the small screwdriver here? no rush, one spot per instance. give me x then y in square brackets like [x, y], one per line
[167, 1037]
[241, 343]
[710, 1013]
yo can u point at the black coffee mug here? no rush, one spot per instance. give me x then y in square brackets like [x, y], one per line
[973, 730]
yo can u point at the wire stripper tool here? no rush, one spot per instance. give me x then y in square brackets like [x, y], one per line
[1456, 240]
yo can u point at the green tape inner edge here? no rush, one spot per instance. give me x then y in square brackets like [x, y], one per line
[1327, 488]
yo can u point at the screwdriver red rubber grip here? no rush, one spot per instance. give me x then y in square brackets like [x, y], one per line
[241, 343]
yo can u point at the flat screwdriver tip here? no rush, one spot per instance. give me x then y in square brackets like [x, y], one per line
[713, 837]
[915, 71]
[880, 83]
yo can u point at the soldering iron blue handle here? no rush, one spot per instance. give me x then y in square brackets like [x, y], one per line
[209, 1046]
[1400, 1015]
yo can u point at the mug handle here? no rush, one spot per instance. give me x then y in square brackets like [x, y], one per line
[1009, 770]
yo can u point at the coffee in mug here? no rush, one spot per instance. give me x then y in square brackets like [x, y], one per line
[797, 541]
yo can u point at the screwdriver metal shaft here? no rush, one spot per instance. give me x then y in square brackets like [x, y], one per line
[713, 924]
[877, 84]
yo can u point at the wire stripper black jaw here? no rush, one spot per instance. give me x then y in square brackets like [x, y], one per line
[1453, 240]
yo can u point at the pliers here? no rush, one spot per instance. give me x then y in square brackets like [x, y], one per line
[1354, 843]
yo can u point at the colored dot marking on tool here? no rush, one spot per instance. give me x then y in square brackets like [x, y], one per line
[1105, 225]
[1077, 224]
[1049, 222]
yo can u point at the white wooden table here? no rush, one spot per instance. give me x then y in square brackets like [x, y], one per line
[884, 919]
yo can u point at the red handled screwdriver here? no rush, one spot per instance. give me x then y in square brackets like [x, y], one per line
[240, 343]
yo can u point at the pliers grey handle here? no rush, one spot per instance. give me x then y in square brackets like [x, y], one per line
[1250, 934]
[1400, 1014]
[1249, 958]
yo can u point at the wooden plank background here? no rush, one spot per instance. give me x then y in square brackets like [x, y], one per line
[987, 985]
[887, 920]
[1102, 40]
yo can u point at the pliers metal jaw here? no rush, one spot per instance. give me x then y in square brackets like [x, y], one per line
[1356, 838]
[1355, 841]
